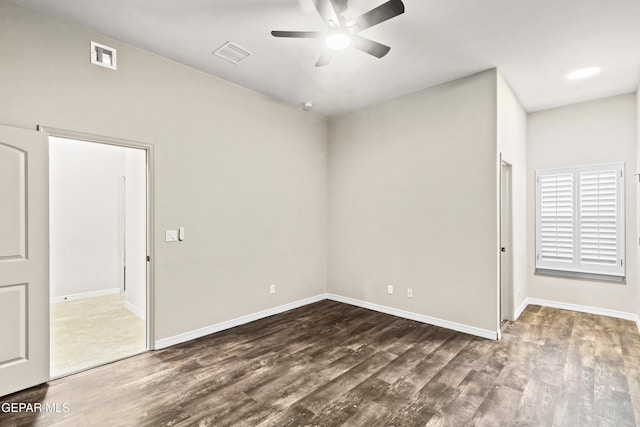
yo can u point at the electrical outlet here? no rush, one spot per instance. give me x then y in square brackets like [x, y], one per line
[389, 289]
[272, 289]
[410, 292]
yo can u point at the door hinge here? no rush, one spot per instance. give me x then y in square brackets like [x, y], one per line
[621, 263]
[538, 257]
[148, 258]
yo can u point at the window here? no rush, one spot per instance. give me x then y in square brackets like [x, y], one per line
[580, 219]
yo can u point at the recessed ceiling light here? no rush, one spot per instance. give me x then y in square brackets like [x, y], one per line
[337, 41]
[583, 73]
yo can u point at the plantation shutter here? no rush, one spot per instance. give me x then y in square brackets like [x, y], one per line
[598, 217]
[580, 219]
[556, 218]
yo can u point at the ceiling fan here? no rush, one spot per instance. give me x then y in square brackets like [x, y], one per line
[342, 33]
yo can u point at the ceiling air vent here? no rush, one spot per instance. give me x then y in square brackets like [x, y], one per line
[232, 52]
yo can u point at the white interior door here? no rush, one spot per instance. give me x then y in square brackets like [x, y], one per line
[506, 257]
[24, 259]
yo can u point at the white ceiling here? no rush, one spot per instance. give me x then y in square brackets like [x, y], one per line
[534, 43]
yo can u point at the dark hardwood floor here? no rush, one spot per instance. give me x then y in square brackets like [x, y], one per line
[331, 364]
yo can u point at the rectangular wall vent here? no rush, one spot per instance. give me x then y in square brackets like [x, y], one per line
[104, 56]
[232, 52]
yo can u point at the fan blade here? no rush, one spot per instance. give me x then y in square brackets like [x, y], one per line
[298, 34]
[369, 46]
[325, 58]
[327, 12]
[375, 16]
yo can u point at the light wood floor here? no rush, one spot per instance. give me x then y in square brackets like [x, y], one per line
[331, 364]
[89, 332]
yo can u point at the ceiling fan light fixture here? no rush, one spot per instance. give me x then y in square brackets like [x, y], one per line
[342, 33]
[338, 41]
[583, 73]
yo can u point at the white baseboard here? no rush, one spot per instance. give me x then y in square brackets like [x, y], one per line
[586, 309]
[83, 295]
[520, 309]
[472, 330]
[188, 336]
[135, 310]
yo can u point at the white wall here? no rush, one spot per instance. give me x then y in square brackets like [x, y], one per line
[85, 228]
[593, 132]
[512, 143]
[136, 232]
[245, 175]
[412, 203]
[88, 216]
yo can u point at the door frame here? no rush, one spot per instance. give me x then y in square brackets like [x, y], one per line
[506, 241]
[150, 156]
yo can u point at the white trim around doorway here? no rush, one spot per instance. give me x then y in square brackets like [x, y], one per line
[150, 155]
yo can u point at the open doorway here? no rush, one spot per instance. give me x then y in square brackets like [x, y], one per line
[98, 261]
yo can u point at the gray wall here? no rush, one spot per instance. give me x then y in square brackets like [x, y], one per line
[412, 186]
[412, 202]
[245, 175]
[593, 132]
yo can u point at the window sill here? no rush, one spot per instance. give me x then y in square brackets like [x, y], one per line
[578, 275]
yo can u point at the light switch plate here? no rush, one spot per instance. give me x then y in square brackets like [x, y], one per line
[171, 235]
